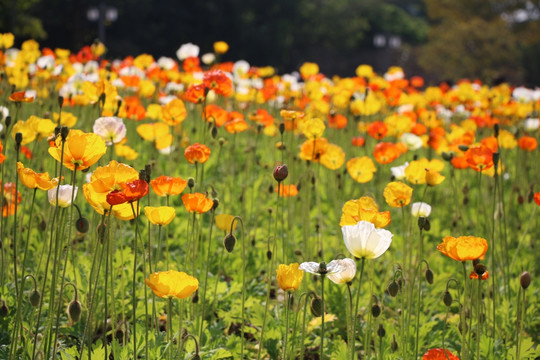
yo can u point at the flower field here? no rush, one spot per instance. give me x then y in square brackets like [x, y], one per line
[190, 208]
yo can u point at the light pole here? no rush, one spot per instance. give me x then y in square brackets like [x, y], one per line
[103, 14]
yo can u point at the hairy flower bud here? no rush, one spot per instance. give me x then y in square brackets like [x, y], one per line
[447, 298]
[74, 311]
[281, 172]
[525, 279]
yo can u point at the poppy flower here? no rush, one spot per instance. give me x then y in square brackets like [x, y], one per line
[475, 276]
[130, 192]
[459, 162]
[479, 158]
[224, 221]
[287, 190]
[537, 198]
[261, 116]
[439, 354]
[221, 47]
[216, 114]
[377, 130]
[218, 81]
[64, 195]
[363, 240]
[167, 185]
[527, 143]
[385, 152]
[337, 121]
[197, 153]
[312, 128]
[291, 114]
[196, 93]
[197, 202]
[2, 156]
[33, 180]
[236, 126]
[463, 248]
[433, 178]
[81, 149]
[333, 158]
[361, 169]
[397, 194]
[340, 271]
[169, 284]
[364, 209]
[10, 199]
[420, 209]
[112, 129]
[161, 215]
[289, 277]
[308, 70]
[358, 141]
[313, 149]
[174, 112]
[21, 96]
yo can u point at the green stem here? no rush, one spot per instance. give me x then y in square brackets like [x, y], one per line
[134, 287]
[322, 317]
[355, 314]
[169, 327]
[350, 335]
[478, 317]
[463, 320]
[287, 305]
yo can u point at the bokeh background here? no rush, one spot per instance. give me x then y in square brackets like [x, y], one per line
[441, 40]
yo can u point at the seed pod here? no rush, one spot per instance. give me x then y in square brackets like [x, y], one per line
[447, 298]
[74, 311]
[393, 289]
[429, 276]
[229, 242]
[35, 298]
[525, 280]
[316, 307]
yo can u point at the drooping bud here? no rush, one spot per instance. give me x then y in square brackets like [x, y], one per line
[447, 298]
[281, 172]
[60, 101]
[393, 288]
[269, 254]
[74, 311]
[429, 276]
[525, 280]
[480, 269]
[35, 298]
[496, 130]
[82, 225]
[316, 306]
[229, 242]
[376, 310]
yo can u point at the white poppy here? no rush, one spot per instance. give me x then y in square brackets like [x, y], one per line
[399, 171]
[411, 141]
[420, 209]
[64, 195]
[339, 271]
[111, 128]
[531, 124]
[363, 240]
[186, 51]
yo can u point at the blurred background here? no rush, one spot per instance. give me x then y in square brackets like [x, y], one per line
[441, 40]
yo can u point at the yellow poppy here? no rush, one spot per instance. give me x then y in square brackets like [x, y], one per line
[361, 169]
[161, 215]
[82, 149]
[397, 194]
[289, 277]
[224, 221]
[168, 284]
[33, 180]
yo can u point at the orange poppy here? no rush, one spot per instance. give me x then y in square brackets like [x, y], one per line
[479, 158]
[463, 248]
[33, 180]
[537, 198]
[81, 149]
[386, 152]
[191, 64]
[167, 185]
[236, 126]
[460, 162]
[337, 121]
[132, 108]
[10, 199]
[491, 143]
[474, 275]
[419, 129]
[313, 149]
[218, 81]
[287, 190]
[358, 141]
[195, 93]
[262, 116]
[2, 156]
[197, 202]
[377, 130]
[216, 114]
[197, 153]
[527, 143]
[20, 96]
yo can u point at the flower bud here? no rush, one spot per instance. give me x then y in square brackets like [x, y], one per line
[64, 131]
[35, 298]
[393, 344]
[525, 279]
[316, 307]
[463, 147]
[429, 276]
[82, 225]
[380, 331]
[195, 298]
[281, 128]
[269, 254]
[4, 310]
[215, 204]
[191, 182]
[496, 130]
[447, 298]
[18, 138]
[393, 289]
[8, 121]
[229, 242]
[270, 189]
[60, 101]
[376, 310]
[213, 132]
[281, 172]
[480, 269]
[74, 311]
[448, 156]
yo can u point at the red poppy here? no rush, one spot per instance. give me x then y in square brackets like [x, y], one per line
[459, 162]
[20, 96]
[377, 130]
[131, 191]
[474, 275]
[439, 354]
[192, 64]
[337, 121]
[491, 143]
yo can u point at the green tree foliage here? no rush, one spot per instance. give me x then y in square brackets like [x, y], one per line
[17, 18]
